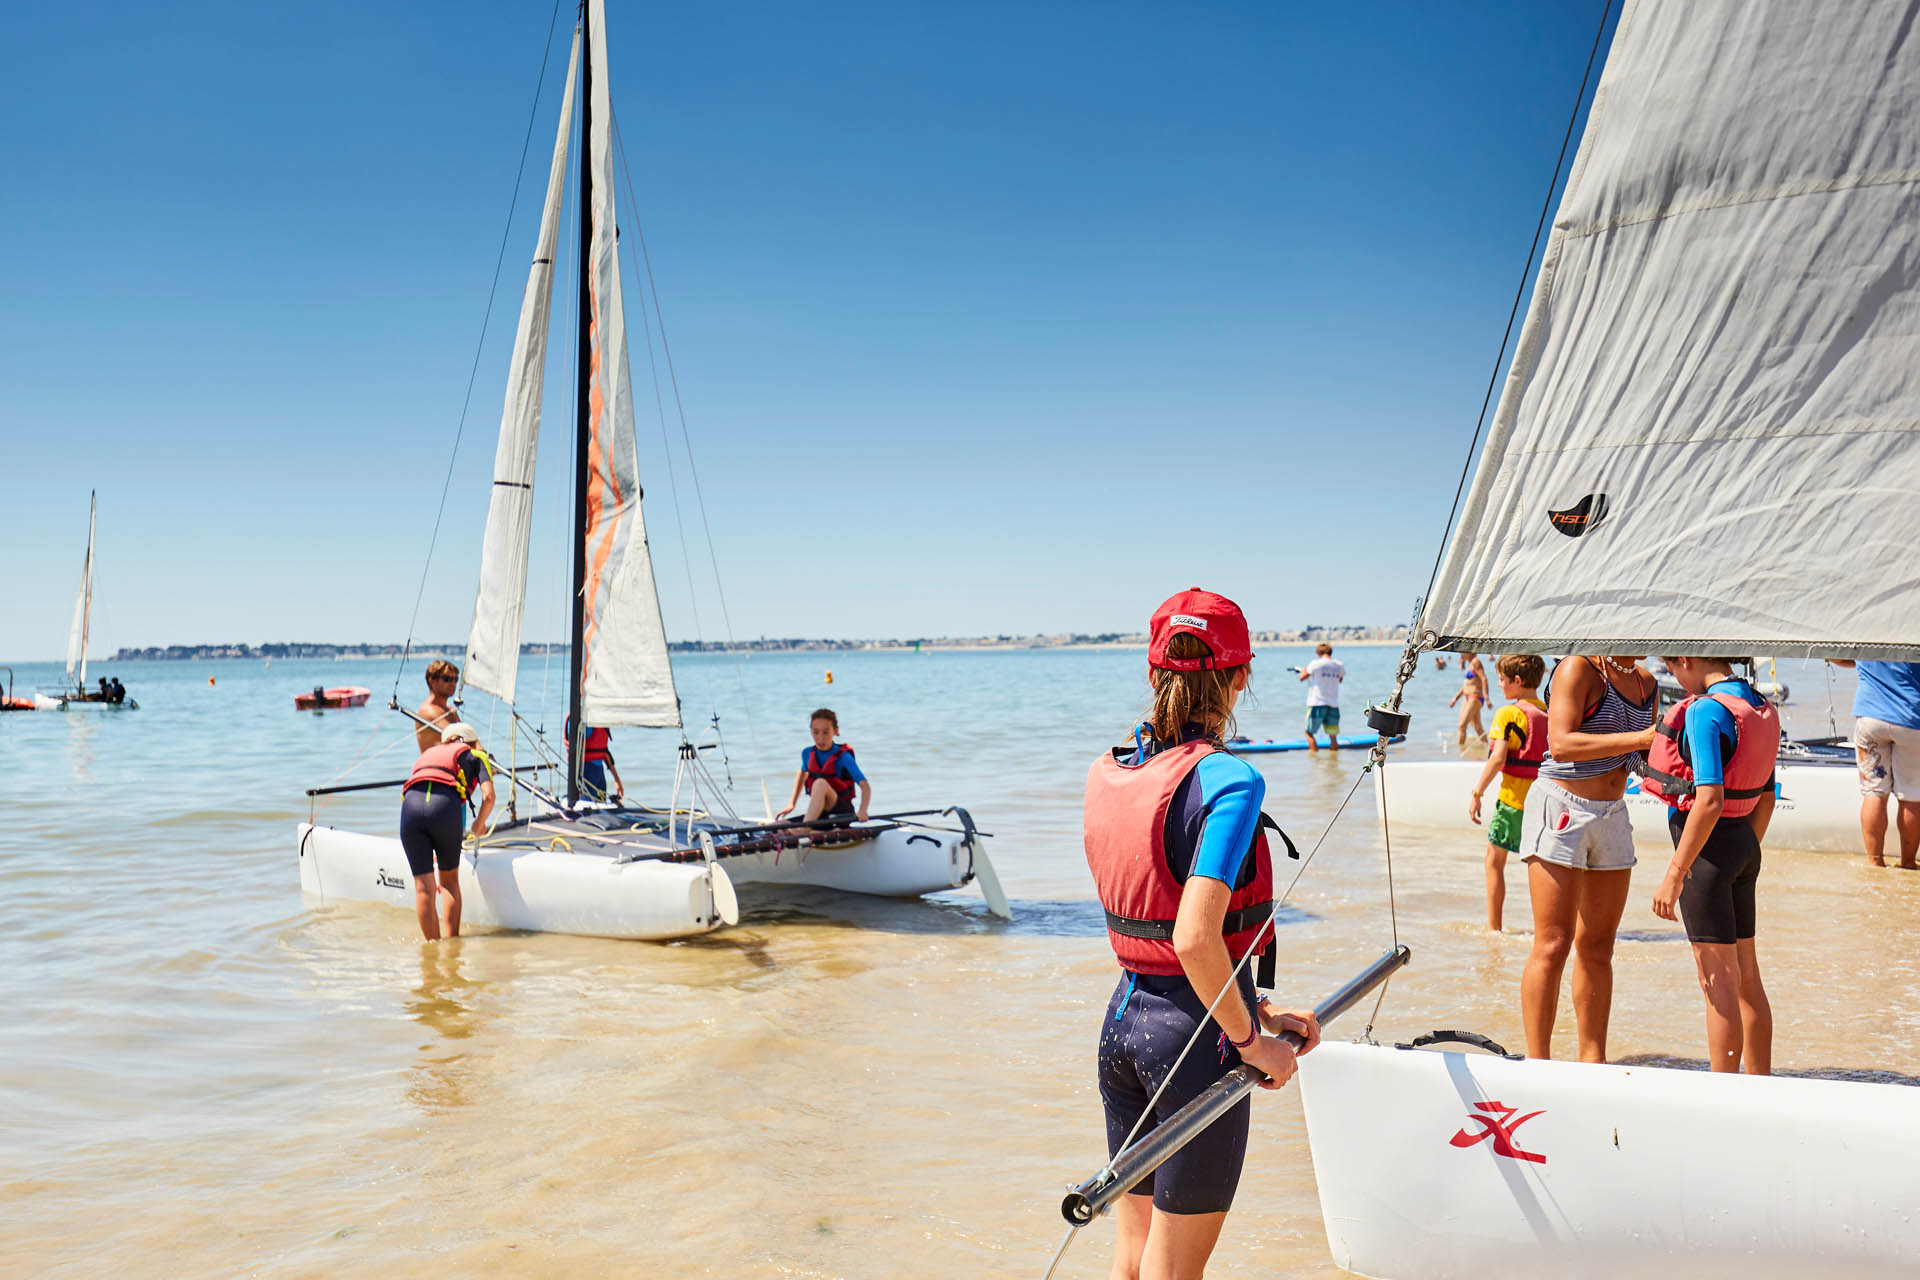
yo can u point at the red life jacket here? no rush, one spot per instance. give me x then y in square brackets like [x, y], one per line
[441, 763]
[827, 768]
[598, 746]
[1526, 762]
[1749, 774]
[1126, 839]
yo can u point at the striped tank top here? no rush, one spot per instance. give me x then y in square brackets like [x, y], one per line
[1614, 714]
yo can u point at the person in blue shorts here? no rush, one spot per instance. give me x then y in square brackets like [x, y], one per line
[1177, 846]
[828, 776]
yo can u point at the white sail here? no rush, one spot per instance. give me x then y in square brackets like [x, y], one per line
[493, 643]
[82, 609]
[628, 679]
[1706, 441]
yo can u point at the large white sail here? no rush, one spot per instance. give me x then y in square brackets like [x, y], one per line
[628, 679]
[1707, 439]
[82, 609]
[493, 643]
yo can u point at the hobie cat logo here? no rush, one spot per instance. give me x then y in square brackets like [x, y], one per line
[1581, 516]
[1497, 1123]
[386, 880]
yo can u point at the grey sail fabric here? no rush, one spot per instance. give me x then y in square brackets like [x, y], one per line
[493, 642]
[1706, 442]
[628, 679]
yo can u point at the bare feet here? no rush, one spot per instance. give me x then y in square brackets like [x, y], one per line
[1875, 860]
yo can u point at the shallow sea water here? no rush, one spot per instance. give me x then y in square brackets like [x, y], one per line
[205, 1075]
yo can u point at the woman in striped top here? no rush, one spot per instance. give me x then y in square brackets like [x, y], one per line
[1578, 842]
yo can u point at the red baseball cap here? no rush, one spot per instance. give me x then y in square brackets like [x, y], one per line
[1213, 618]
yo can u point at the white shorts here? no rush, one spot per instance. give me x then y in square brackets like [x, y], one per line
[1889, 756]
[1588, 835]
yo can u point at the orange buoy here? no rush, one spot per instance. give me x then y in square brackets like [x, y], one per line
[829, 677]
[209, 679]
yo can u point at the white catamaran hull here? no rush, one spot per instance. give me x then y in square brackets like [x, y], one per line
[559, 890]
[1818, 807]
[546, 890]
[1447, 1164]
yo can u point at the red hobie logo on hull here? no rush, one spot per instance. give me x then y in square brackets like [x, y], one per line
[1498, 1123]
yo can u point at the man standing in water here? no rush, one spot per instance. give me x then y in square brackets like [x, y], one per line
[443, 678]
[1886, 741]
[1323, 676]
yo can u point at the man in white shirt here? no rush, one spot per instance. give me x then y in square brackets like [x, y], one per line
[1323, 676]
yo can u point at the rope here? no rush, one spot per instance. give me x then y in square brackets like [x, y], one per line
[1519, 295]
[479, 347]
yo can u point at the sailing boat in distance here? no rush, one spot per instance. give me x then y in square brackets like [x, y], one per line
[76, 696]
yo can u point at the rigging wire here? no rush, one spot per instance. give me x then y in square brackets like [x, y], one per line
[693, 469]
[479, 348]
[1519, 295]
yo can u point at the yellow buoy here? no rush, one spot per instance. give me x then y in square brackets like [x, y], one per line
[829, 677]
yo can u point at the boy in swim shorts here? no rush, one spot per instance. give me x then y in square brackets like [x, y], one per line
[1515, 748]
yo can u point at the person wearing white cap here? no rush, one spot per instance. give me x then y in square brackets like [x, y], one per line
[432, 814]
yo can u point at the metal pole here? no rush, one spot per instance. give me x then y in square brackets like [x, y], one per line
[1126, 1169]
[583, 417]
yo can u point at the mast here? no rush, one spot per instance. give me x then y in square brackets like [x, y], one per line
[577, 652]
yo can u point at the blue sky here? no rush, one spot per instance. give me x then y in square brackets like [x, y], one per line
[987, 317]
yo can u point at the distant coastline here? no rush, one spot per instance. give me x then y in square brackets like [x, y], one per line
[1354, 635]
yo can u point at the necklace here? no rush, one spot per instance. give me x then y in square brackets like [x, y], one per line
[1624, 668]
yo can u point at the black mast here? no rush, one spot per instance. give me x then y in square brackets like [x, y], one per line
[576, 733]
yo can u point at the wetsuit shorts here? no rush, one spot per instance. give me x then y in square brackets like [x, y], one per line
[1716, 903]
[594, 774]
[1148, 1022]
[431, 822]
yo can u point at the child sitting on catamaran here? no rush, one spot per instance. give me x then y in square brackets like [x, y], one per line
[1712, 761]
[828, 775]
[1516, 746]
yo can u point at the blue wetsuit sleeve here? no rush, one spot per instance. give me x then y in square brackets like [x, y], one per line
[1710, 739]
[1232, 791]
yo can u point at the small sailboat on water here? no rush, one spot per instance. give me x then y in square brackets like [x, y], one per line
[75, 696]
[576, 865]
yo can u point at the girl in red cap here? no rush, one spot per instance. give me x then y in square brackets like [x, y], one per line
[1174, 838]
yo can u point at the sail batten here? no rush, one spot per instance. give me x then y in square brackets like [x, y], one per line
[627, 677]
[499, 611]
[1706, 443]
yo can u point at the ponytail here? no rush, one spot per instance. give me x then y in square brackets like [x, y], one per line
[1181, 698]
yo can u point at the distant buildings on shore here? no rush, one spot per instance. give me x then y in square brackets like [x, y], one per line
[1058, 640]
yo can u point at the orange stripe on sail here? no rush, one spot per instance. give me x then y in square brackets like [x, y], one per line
[603, 488]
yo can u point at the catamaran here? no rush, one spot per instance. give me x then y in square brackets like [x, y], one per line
[574, 864]
[75, 696]
[1716, 391]
[1705, 445]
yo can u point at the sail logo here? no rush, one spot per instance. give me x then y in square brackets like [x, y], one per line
[1497, 1125]
[388, 881]
[1581, 516]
